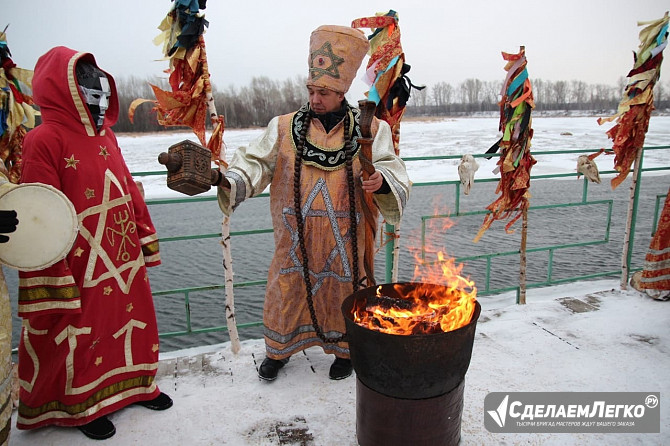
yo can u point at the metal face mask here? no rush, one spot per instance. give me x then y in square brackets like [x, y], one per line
[94, 86]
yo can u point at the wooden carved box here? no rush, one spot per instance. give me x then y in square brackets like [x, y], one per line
[189, 168]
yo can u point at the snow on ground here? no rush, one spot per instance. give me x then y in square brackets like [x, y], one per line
[612, 341]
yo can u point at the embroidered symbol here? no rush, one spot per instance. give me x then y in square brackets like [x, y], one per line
[103, 152]
[331, 268]
[71, 162]
[101, 265]
[89, 193]
[326, 51]
[127, 227]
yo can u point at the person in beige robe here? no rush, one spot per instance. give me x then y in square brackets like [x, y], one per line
[314, 176]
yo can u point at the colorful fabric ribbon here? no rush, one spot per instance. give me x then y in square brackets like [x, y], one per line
[387, 71]
[17, 113]
[516, 160]
[637, 102]
[188, 101]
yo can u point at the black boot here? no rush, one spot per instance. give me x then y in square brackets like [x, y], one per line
[341, 368]
[270, 367]
[98, 429]
[161, 402]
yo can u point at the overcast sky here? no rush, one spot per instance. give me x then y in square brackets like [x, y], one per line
[443, 40]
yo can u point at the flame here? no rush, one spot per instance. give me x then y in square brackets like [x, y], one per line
[439, 299]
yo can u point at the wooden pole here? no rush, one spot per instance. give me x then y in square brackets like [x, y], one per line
[522, 260]
[630, 224]
[396, 250]
[231, 322]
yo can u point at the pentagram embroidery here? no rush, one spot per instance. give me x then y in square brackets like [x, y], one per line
[319, 62]
[340, 240]
[71, 162]
[89, 193]
[100, 214]
[103, 152]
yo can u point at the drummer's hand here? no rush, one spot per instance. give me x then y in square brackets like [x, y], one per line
[8, 223]
[373, 183]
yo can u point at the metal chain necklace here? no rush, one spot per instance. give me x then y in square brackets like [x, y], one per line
[300, 223]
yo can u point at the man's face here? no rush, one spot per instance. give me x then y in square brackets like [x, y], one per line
[96, 92]
[323, 100]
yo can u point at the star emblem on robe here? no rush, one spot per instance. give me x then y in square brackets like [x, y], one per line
[78, 252]
[89, 193]
[103, 152]
[98, 360]
[154, 348]
[71, 162]
[340, 241]
[107, 291]
[324, 62]
[129, 307]
[104, 214]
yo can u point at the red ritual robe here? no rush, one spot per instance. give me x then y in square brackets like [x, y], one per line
[89, 343]
[656, 272]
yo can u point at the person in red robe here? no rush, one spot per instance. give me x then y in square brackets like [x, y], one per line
[654, 279]
[89, 342]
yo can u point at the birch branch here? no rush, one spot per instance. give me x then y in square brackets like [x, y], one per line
[231, 321]
[629, 220]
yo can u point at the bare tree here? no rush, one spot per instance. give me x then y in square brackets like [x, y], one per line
[579, 93]
[491, 93]
[560, 93]
[471, 90]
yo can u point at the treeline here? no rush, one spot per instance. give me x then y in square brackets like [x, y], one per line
[250, 106]
[474, 95]
[255, 104]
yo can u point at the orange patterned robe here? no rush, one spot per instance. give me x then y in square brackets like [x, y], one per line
[325, 207]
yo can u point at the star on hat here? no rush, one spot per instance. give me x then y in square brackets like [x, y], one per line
[320, 57]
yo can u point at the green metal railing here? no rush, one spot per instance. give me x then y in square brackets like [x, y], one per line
[550, 250]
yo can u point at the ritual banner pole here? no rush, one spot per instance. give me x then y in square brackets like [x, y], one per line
[522, 259]
[632, 122]
[188, 104]
[629, 235]
[217, 120]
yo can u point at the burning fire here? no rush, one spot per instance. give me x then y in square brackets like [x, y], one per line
[439, 299]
